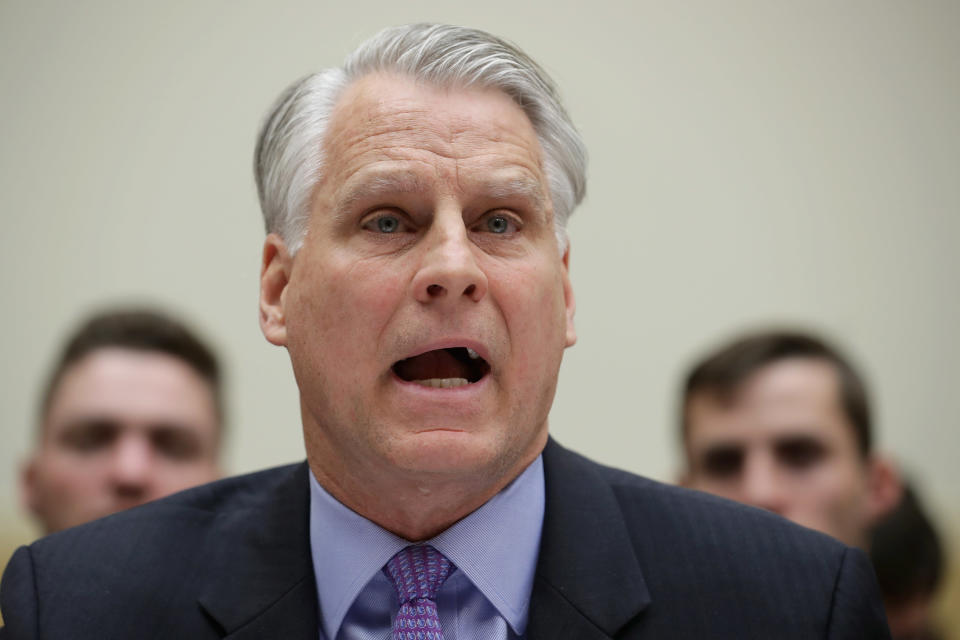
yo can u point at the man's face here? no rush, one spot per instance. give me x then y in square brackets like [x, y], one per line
[427, 312]
[123, 427]
[783, 443]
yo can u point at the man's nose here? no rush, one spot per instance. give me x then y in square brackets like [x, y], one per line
[761, 484]
[132, 467]
[449, 271]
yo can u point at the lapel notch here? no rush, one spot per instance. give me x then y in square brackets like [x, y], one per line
[261, 582]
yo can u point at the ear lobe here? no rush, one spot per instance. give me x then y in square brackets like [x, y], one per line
[274, 278]
[570, 302]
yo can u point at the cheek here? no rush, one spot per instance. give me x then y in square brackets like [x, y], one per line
[533, 301]
[833, 490]
[334, 292]
[848, 490]
[533, 307]
[69, 477]
[338, 313]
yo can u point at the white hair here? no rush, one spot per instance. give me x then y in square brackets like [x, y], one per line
[289, 157]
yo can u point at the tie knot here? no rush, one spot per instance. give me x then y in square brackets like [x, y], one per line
[417, 572]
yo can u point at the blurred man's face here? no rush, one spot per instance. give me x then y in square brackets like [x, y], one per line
[428, 309]
[783, 443]
[123, 427]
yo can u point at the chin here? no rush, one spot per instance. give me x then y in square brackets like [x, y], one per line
[449, 451]
[459, 452]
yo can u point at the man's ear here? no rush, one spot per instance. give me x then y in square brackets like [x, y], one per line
[885, 487]
[29, 492]
[570, 302]
[274, 278]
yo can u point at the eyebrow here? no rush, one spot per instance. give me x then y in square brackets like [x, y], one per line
[375, 185]
[800, 439]
[378, 185]
[514, 188]
[777, 443]
[721, 447]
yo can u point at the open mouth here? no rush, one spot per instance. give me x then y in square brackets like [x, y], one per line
[443, 368]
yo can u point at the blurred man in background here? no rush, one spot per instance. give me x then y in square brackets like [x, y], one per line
[908, 557]
[132, 411]
[781, 421]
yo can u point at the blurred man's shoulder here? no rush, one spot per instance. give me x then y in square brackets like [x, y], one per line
[178, 525]
[176, 549]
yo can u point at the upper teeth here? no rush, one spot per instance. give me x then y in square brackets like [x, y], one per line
[473, 354]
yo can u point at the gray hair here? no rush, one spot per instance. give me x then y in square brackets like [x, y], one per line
[289, 155]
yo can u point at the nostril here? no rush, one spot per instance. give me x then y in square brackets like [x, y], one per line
[469, 290]
[435, 290]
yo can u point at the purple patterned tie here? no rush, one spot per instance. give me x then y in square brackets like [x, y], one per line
[417, 573]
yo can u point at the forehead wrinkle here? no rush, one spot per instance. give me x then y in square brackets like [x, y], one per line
[380, 125]
[406, 131]
[440, 132]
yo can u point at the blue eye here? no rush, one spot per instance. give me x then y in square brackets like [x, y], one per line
[498, 224]
[387, 224]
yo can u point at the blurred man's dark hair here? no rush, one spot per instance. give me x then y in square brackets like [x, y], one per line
[137, 329]
[722, 373]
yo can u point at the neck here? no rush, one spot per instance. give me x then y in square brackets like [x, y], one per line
[414, 512]
[416, 505]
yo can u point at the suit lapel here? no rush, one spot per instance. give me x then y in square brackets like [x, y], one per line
[261, 584]
[588, 582]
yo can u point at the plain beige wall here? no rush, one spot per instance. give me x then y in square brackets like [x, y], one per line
[751, 162]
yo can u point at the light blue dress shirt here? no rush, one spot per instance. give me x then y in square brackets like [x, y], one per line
[487, 598]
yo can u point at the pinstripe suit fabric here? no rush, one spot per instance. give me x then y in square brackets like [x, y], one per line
[232, 560]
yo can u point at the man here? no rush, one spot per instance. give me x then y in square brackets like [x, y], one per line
[908, 556]
[130, 413]
[781, 421]
[416, 270]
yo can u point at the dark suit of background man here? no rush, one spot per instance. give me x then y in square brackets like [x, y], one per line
[416, 270]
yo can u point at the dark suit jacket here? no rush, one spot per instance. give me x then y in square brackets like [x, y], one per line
[621, 557]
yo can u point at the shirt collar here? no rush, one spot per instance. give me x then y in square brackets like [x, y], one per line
[496, 547]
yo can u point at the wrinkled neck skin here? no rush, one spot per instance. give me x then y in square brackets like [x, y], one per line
[415, 505]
